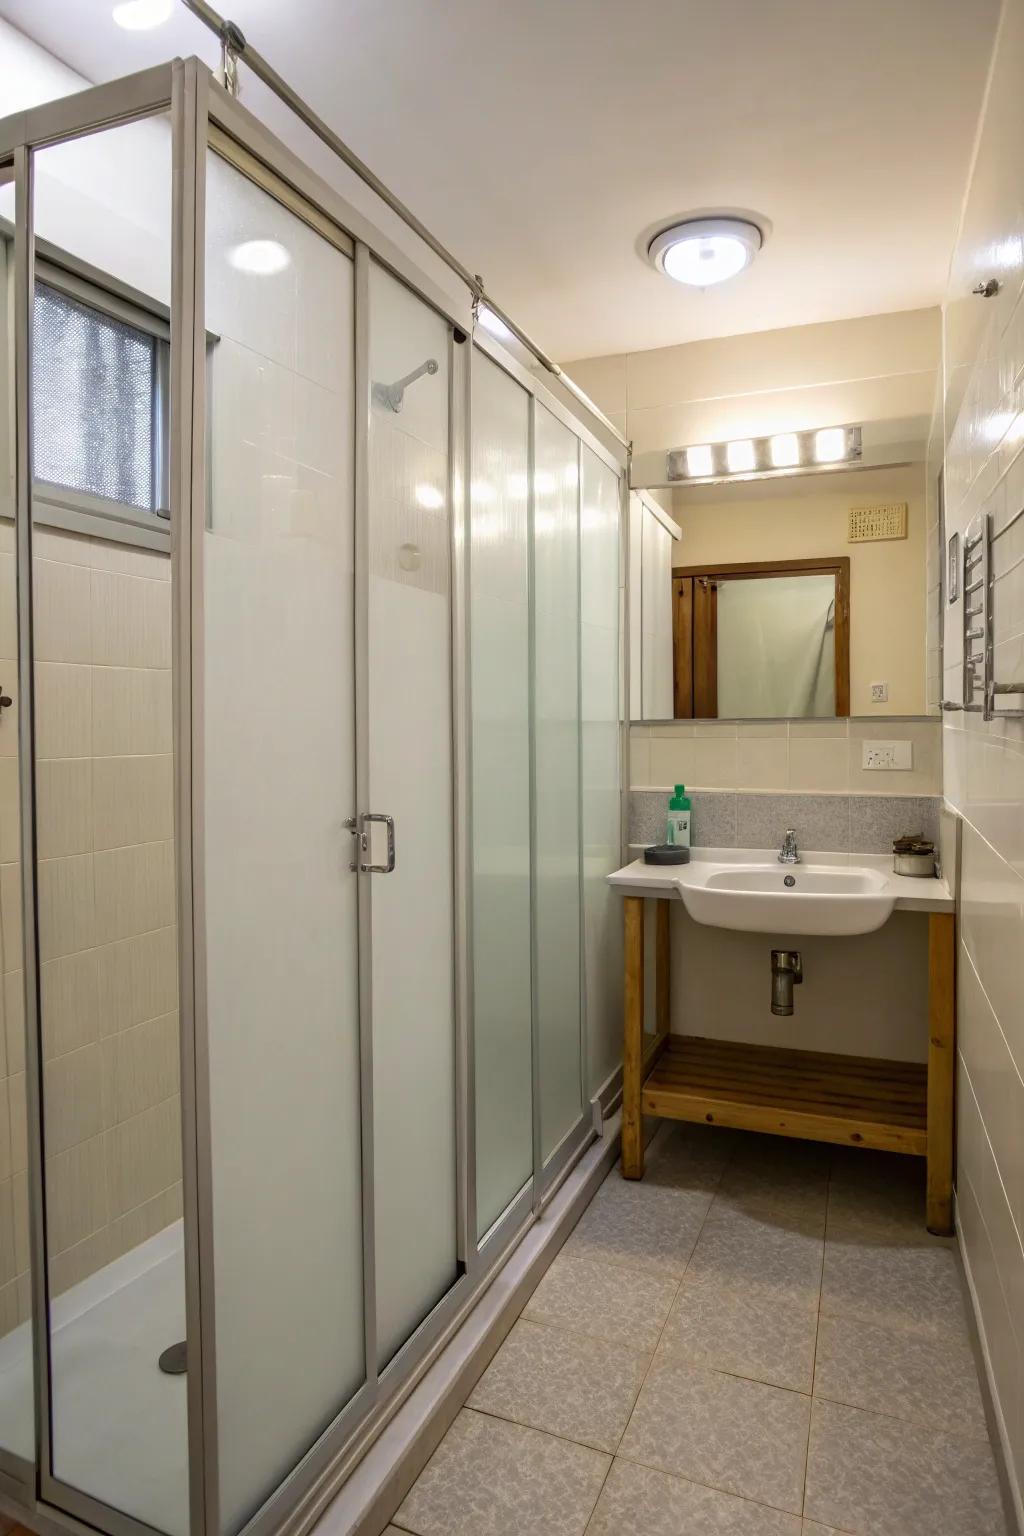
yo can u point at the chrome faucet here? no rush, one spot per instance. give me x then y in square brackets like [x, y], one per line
[788, 853]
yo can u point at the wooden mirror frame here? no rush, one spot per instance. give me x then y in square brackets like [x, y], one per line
[694, 628]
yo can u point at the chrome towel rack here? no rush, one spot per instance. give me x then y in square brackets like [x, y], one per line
[982, 689]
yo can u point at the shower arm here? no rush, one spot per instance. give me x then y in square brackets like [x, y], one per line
[393, 395]
[234, 46]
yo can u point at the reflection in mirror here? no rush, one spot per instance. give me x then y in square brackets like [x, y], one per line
[790, 598]
[105, 820]
[759, 641]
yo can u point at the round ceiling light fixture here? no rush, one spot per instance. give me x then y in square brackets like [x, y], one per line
[142, 15]
[702, 252]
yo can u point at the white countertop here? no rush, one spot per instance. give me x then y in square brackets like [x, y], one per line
[912, 894]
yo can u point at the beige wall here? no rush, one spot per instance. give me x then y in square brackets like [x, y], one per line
[813, 756]
[106, 904]
[878, 368]
[984, 763]
[806, 517]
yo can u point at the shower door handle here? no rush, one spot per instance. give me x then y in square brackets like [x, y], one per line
[364, 843]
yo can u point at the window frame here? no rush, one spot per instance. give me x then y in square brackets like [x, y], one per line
[64, 507]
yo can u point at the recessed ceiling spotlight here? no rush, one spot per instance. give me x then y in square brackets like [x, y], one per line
[702, 252]
[260, 258]
[141, 15]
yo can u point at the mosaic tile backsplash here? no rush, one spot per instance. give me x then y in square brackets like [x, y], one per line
[826, 823]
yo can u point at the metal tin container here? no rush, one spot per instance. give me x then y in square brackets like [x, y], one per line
[914, 856]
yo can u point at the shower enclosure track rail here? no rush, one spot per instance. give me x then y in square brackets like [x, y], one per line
[235, 46]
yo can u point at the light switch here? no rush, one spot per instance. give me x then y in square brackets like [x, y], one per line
[887, 754]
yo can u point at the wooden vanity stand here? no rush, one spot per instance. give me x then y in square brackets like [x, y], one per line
[857, 1101]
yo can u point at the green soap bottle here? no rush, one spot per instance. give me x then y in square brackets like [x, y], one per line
[679, 818]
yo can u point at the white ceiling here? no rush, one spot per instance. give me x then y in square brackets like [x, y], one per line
[540, 139]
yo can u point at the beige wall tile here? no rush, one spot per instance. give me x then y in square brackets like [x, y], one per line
[134, 890]
[76, 1194]
[639, 757]
[148, 1219]
[10, 915]
[73, 1098]
[9, 1307]
[69, 996]
[137, 979]
[18, 1105]
[19, 1196]
[63, 716]
[14, 1020]
[7, 1264]
[924, 778]
[56, 544]
[133, 800]
[64, 806]
[714, 758]
[131, 711]
[131, 621]
[5, 1136]
[762, 757]
[673, 760]
[818, 763]
[127, 560]
[10, 825]
[61, 613]
[145, 1066]
[81, 1261]
[8, 609]
[144, 1156]
[67, 907]
[9, 722]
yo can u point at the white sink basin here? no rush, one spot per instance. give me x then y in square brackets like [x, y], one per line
[786, 898]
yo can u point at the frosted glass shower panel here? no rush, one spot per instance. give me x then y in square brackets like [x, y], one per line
[556, 775]
[500, 670]
[411, 779]
[600, 604]
[104, 773]
[278, 744]
[656, 608]
[17, 1428]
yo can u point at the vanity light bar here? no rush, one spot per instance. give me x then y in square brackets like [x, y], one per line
[784, 453]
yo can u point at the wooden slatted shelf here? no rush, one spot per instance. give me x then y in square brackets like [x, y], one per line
[855, 1100]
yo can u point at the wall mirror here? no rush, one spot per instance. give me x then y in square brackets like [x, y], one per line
[765, 599]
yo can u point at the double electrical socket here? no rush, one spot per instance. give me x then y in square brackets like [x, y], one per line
[887, 754]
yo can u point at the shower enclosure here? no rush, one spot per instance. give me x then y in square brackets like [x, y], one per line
[310, 776]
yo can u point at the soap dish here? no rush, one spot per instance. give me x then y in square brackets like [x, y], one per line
[666, 853]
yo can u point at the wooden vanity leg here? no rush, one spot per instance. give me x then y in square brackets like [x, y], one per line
[633, 1043]
[662, 966]
[941, 1069]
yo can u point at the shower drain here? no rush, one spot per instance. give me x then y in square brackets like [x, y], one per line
[172, 1361]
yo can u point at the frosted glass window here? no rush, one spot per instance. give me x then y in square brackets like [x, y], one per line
[556, 775]
[500, 671]
[93, 401]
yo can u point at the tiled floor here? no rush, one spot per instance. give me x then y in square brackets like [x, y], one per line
[760, 1339]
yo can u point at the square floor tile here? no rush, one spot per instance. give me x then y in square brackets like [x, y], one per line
[777, 1191]
[887, 1477]
[492, 1478]
[625, 1306]
[641, 1225]
[689, 1156]
[638, 1501]
[740, 1436]
[724, 1328]
[899, 1371]
[771, 1256]
[897, 1285]
[582, 1389]
[878, 1195]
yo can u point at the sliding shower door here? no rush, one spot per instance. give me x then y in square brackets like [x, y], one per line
[500, 630]
[556, 682]
[276, 772]
[410, 778]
